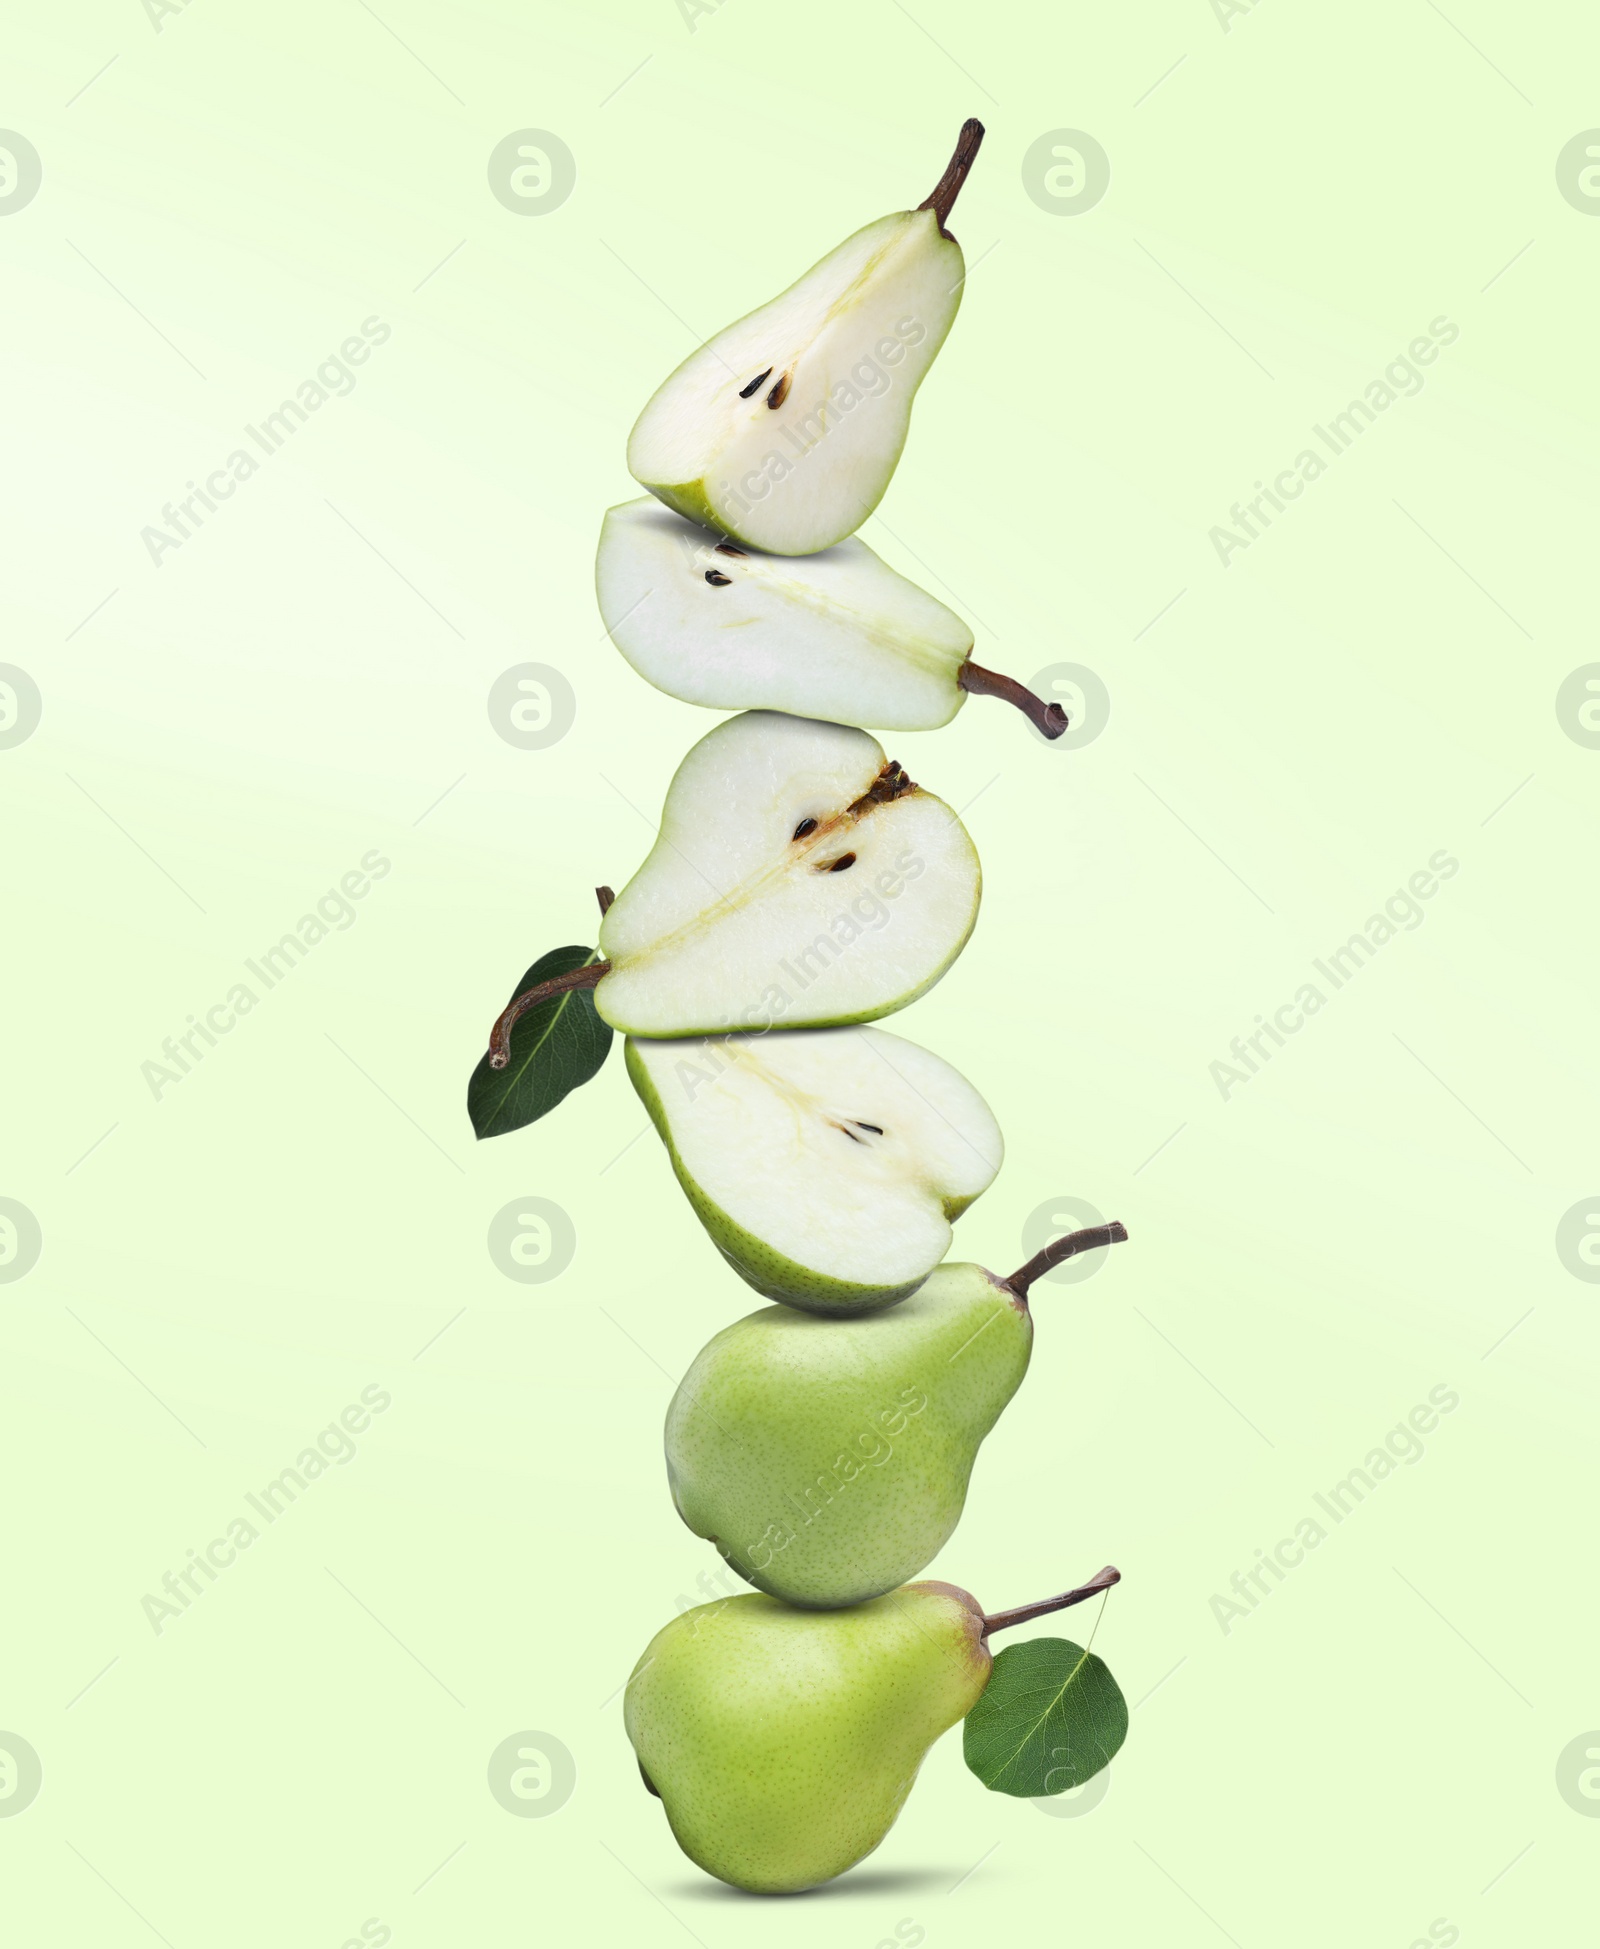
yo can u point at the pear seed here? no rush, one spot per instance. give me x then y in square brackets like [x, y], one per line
[761, 378]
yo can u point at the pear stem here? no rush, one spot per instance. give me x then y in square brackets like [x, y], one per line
[943, 199]
[1050, 720]
[1024, 1613]
[500, 1034]
[1068, 1247]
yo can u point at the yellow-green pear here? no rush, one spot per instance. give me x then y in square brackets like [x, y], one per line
[828, 1460]
[783, 1743]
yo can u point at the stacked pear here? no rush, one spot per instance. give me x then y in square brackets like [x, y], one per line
[784, 430]
[782, 845]
[828, 1460]
[802, 886]
[783, 1743]
[838, 635]
[827, 1165]
[799, 879]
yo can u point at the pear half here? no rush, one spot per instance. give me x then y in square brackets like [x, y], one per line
[838, 635]
[799, 880]
[784, 429]
[827, 1165]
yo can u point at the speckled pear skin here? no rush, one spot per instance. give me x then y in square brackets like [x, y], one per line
[783, 1743]
[828, 1460]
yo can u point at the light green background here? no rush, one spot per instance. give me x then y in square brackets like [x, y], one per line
[1375, 1747]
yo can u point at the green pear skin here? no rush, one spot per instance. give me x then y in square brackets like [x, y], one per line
[783, 1743]
[828, 1460]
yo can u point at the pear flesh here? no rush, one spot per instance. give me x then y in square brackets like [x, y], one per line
[784, 430]
[799, 880]
[838, 635]
[828, 1460]
[781, 1743]
[826, 1164]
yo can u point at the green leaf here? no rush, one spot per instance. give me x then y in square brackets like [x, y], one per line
[1051, 1717]
[555, 1048]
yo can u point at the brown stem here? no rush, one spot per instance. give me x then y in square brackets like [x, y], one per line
[605, 896]
[1067, 1247]
[1024, 1613]
[1049, 719]
[943, 199]
[500, 1034]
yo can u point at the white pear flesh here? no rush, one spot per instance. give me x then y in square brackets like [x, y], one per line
[826, 1164]
[799, 880]
[785, 429]
[837, 635]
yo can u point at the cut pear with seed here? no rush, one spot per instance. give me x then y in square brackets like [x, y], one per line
[800, 880]
[837, 635]
[784, 430]
[827, 1165]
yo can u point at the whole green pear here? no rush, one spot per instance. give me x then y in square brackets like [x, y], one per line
[828, 1459]
[783, 1743]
